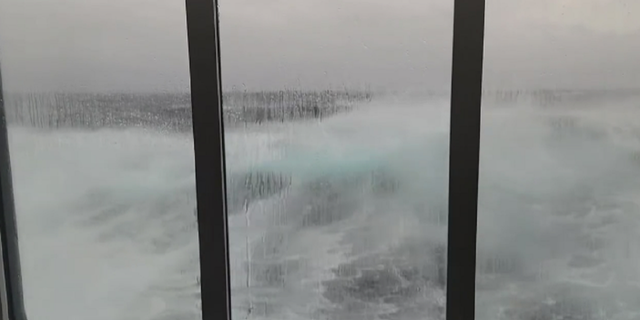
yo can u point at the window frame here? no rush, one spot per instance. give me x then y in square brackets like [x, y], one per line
[464, 157]
[208, 139]
[464, 149]
[11, 296]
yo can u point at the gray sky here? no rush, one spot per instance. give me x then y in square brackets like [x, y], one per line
[113, 45]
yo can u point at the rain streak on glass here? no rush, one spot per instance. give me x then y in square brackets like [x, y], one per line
[102, 157]
[336, 117]
[559, 181]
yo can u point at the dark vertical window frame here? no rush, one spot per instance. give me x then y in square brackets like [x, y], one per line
[464, 157]
[4, 314]
[208, 136]
[11, 272]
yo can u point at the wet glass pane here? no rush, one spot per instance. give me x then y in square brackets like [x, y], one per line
[559, 180]
[100, 136]
[337, 126]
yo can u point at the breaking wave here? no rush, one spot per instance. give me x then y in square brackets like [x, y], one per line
[343, 218]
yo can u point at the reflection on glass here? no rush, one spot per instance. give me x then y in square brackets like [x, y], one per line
[559, 181]
[337, 157]
[102, 158]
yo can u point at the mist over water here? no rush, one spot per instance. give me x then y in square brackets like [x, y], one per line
[105, 221]
[339, 218]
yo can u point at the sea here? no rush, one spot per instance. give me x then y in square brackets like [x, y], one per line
[337, 217]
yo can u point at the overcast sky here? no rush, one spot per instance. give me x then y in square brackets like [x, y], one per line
[114, 45]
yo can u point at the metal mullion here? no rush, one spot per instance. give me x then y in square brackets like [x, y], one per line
[208, 136]
[12, 294]
[466, 94]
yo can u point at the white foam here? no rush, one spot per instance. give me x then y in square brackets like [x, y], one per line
[82, 262]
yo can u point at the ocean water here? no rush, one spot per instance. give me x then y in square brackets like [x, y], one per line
[343, 218]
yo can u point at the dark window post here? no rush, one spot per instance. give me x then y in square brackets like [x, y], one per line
[8, 229]
[466, 95]
[208, 137]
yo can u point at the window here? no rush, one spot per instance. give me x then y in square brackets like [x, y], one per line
[336, 141]
[558, 226]
[99, 121]
[329, 193]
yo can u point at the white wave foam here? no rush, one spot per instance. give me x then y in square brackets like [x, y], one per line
[107, 228]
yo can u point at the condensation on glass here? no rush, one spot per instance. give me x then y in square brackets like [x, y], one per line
[98, 108]
[336, 117]
[559, 180]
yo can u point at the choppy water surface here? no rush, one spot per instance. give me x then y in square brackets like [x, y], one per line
[339, 218]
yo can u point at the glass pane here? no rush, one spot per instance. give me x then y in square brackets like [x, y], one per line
[559, 180]
[337, 128]
[102, 156]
